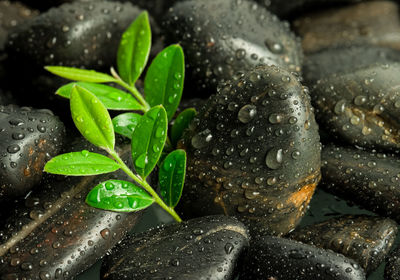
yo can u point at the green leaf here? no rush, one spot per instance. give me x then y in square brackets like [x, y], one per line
[124, 124]
[172, 177]
[163, 84]
[81, 75]
[82, 163]
[148, 140]
[112, 98]
[120, 196]
[182, 122]
[92, 118]
[134, 49]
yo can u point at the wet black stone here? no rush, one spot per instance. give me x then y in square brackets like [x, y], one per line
[12, 14]
[79, 34]
[369, 179]
[278, 258]
[204, 248]
[253, 152]
[55, 231]
[223, 37]
[28, 139]
[366, 23]
[392, 268]
[292, 8]
[360, 106]
[365, 239]
[331, 61]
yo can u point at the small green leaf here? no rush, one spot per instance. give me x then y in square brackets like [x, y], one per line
[182, 122]
[172, 177]
[148, 140]
[120, 196]
[134, 49]
[92, 118]
[81, 75]
[124, 124]
[82, 163]
[112, 98]
[163, 84]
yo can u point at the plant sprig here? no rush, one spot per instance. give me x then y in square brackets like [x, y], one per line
[90, 100]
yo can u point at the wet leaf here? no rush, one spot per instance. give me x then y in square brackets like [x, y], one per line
[148, 140]
[92, 118]
[120, 196]
[181, 123]
[163, 84]
[172, 177]
[81, 75]
[134, 49]
[124, 124]
[82, 163]
[112, 98]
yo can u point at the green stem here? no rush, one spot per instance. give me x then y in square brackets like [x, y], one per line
[132, 89]
[146, 186]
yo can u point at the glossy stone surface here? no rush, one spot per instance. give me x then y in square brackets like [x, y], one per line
[79, 34]
[54, 234]
[254, 153]
[203, 248]
[278, 258]
[330, 61]
[366, 178]
[365, 239]
[360, 106]
[224, 37]
[28, 139]
[369, 22]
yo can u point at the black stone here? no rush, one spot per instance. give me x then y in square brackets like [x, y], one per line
[28, 139]
[365, 239]
[332, 61]
[278, 258]
[360, 106]
[369, 179]
[254, 153]
[392, 268]
[204, 248]
[223, 37]
[79, 34]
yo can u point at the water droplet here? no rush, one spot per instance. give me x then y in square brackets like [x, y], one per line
[275, 118]
[18, 136]
[229, 248]
[105, 233]
[274, 158]
[12, 149]
[201, 139]
[141, 161]
[359, 100]
[109, 186]
[247, 113]
[160, 131]
[340, 107]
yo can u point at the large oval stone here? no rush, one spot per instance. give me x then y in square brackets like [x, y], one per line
[254, 153]
[223, 37]
[79, 34]
[203, 248]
